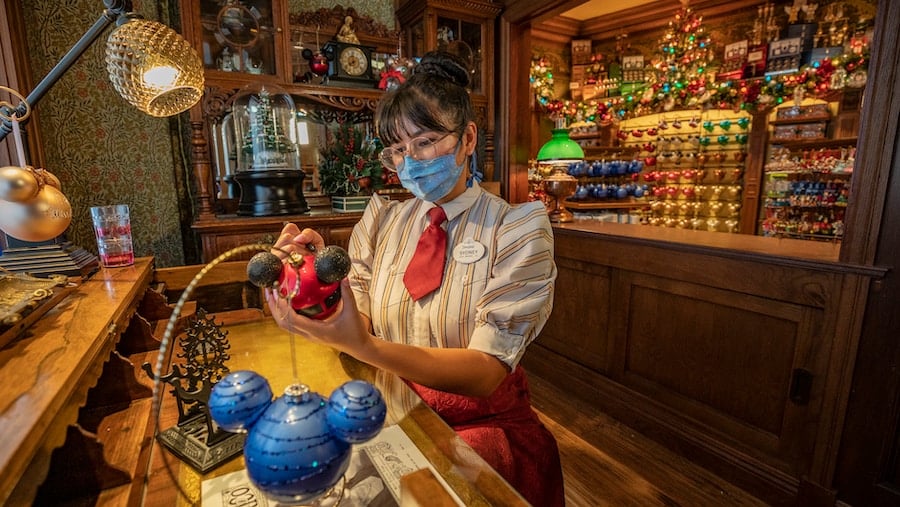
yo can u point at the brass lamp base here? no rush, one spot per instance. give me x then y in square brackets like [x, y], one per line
[560, 185]
[561, 214]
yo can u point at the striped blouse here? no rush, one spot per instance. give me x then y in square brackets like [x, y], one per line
[496, 304]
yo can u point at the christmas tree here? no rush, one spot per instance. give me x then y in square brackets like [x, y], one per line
[686, 51]
[265, 143]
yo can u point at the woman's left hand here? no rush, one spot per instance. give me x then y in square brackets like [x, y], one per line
[346, 330]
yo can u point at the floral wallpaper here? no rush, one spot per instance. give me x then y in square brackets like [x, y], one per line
[103, 150]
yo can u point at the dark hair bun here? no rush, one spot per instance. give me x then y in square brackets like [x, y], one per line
[445, 66]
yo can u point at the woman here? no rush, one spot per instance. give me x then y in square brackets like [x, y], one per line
[456, 341]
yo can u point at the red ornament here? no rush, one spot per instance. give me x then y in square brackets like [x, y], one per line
[318, 64]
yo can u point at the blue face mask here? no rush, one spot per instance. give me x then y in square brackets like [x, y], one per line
[430, 180]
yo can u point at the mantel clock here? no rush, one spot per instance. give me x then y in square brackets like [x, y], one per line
[349, 64]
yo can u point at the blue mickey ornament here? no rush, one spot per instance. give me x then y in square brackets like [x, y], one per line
[298, 445]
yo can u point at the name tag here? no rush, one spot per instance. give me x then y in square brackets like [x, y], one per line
[468, 251]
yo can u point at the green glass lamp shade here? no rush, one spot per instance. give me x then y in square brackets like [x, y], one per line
[560, 147]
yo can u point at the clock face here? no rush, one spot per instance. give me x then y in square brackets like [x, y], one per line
[354, 61]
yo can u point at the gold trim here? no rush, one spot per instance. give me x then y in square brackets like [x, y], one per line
[20, 294]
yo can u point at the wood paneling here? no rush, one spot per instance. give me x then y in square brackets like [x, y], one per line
[223, 233]
[724, 358]
[724, 355]
[588, 347]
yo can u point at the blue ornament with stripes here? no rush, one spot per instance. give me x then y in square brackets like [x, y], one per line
[299, 446]
[356, 411]
[237, 400]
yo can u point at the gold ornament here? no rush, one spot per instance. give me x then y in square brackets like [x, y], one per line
[40, 219]
[48, 178]
[18, 184]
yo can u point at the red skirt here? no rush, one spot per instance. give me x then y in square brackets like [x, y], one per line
[505, 432]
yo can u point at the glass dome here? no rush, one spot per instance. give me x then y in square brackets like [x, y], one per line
[265, 130]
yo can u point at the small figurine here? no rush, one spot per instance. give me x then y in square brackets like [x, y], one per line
[347, 33]
[226, 60]
[793, 11]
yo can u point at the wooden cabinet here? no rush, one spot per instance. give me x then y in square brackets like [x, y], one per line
[253, 43]
[75, 410]
[220, 235]
[240, 37]
[261, 42]
[810, 158]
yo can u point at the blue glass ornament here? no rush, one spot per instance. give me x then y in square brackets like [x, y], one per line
[356, 411]
[237, 400]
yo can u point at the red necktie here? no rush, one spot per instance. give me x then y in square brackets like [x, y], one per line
[426, 268]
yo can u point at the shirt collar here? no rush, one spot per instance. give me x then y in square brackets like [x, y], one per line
[462, 202]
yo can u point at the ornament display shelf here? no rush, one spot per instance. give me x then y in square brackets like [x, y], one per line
[604, 153]
[807, 185]
[801, 119]
[695, 162]
[815, 144]
[598, 204]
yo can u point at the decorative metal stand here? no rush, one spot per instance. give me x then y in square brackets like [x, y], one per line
[196, 439]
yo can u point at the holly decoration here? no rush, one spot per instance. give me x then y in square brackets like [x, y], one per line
[349, 164]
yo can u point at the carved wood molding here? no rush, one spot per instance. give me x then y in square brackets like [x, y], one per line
[328, 21]
[343, 102]
[481, 7]
[217, 101]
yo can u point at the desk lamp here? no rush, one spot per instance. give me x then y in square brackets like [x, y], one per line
[150, 65]
[559, 152]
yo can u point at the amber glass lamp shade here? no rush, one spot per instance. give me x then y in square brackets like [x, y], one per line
[153, 67]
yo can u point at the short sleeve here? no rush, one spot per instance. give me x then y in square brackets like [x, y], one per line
[518, 298]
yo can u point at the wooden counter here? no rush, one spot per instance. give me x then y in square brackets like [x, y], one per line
[76, 408]
[734, 350]
[258, 344]
[45, 375]
[261, 346]
[687, 239]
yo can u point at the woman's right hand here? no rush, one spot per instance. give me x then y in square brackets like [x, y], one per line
[294, 241]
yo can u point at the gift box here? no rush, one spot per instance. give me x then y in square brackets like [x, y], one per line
[800, 131]
[756, 60]
[784, 56]
[734, 63]
[633, 68]
[805, 112]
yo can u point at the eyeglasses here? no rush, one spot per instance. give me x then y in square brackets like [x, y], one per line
[420, 148]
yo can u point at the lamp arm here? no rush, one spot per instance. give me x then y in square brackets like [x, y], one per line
[114, 9]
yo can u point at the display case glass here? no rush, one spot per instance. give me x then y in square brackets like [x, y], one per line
[238, 36]
[265, 130]
[465, 39]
